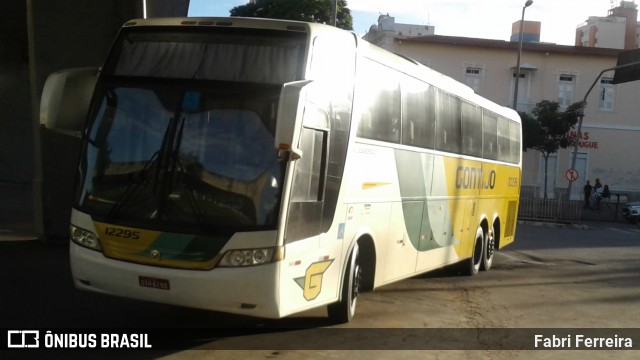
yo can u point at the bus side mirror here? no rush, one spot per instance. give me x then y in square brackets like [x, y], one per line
[290, 110]
[65, 100]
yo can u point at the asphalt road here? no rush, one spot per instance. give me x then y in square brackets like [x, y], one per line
[550, 278]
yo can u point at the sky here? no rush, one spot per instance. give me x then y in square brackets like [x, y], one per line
[486, 19]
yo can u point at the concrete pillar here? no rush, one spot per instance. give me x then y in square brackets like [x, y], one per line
[39, 37]
[16, 153]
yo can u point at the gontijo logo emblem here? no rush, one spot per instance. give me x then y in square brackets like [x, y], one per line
[311, 283]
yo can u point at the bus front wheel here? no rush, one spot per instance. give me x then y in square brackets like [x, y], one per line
[344, 310]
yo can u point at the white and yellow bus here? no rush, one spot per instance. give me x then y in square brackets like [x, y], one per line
[264, 168]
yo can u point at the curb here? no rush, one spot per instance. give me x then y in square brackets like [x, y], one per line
[554, 224]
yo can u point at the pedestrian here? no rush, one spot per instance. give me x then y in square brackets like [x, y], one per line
[606, 195]
[597, 193]
[587, 195]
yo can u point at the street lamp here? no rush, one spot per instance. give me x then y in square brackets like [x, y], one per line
[515, 90]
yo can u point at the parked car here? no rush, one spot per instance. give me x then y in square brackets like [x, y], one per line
[631, 211]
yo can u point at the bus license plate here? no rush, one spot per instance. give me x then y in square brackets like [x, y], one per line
[150, 282]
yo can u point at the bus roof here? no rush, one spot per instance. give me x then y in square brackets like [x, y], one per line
[240, 22]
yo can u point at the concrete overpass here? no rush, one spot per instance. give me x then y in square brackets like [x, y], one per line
[38, 37]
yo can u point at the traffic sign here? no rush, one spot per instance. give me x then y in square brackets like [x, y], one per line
[572, 175]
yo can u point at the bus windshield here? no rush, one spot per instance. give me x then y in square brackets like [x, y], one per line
[176, 156]
[181, 135]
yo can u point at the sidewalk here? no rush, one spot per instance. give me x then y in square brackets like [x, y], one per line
[607, 212]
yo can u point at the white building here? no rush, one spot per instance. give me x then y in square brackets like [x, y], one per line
[387, 29]
[618, 30]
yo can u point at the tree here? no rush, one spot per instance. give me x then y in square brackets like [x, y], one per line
[317, 11]
[547, 129]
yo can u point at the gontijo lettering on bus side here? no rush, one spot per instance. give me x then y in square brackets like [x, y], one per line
[475, 178]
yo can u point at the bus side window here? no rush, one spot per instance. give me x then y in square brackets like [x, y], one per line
[448, 123]
[380, 91]
[382, 120]
[504, 143]
[418, 113]
[471, 130]
[490, 136]
[514, 138]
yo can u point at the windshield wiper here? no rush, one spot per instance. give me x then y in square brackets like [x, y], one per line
[130, 194]
[167, 165]
[176, 166]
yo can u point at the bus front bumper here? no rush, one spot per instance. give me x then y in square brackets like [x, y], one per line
[248, 291]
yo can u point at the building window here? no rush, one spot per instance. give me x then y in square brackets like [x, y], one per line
[565, 90]
[524, 82]
[472, 77]
[606, 94]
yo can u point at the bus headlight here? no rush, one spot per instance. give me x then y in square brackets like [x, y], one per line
[251, 257]
[85, 238]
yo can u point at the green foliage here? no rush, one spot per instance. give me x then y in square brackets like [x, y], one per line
[317, 11]
[547, 129]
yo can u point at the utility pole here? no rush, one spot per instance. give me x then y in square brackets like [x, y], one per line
[517, 79]
[334, 13]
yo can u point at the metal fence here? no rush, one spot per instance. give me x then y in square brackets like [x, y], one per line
[556, 207]
[557, 210]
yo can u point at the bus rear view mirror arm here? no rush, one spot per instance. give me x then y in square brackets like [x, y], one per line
[290, 111]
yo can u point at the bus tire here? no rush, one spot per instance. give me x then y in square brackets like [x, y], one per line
[475, 261]
[344, 310]
[488, 250]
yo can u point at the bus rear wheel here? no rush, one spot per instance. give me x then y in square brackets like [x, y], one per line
[344, 310]
[489, 245]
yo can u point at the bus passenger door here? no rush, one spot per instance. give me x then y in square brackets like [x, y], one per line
[312, 124]
[313, 250]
